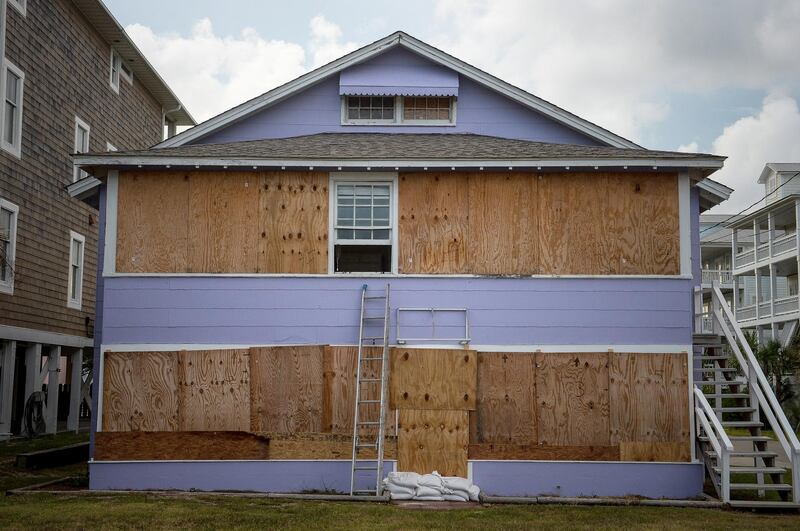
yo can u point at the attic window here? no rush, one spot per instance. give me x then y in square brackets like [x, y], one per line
[398, 110]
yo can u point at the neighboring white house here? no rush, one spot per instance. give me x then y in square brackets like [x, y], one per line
[764, 245]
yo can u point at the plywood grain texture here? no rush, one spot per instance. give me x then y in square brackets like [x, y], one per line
[170, 445]
[214, 390]
[647, 218]
[506, 411]
[140, 391]
[152, 222]
[433, 222]
[649, 398]
[655, 451]
[433, 440]
[572, 399]
[503, 237]
[286, 389]
[293, 222]
[322, 446]
[433, 379]
[535, 452]
[223, 209]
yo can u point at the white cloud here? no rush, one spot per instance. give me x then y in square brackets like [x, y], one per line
[614, 62]
[771, 135]
[212, 73]
[691, 147]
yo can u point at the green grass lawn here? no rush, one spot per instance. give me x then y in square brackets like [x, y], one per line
[12, 477]
[153, 512]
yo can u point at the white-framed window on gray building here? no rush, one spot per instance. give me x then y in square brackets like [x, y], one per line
[19, 5]
[115, 67]
[126, 73]
[75, 283]
[8, 245]
[363, 225]
[82, 131]
[13, 84]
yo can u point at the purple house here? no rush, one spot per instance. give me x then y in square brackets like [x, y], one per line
[400, 262]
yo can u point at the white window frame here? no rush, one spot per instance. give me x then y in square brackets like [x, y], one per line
[337, 178]
[75, 303]
[78, 173]
[19, 5]
[7, 286]
[15, 147]
[398, 115]
[111, 147]
[115, 62]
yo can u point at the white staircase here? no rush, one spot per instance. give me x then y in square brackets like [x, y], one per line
[734, 406]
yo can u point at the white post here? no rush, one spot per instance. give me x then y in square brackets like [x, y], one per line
[33, 369]
[51, 409]
[75, 388]
[8, 361]
[758, 293]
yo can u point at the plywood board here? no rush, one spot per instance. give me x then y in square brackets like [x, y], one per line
[214, 390]
[433, 379]
[152, 222]
[286, 389]
[433, 440]
[503, 224]
[197, 445]
[655, 451]
[574, 236]
[140, 391]
[649, 397]
[433, 222]
[535, 452]
[506, 394]
[648, 226]
[293, 222]
[223, 222]
[572, 399]
[322, 446]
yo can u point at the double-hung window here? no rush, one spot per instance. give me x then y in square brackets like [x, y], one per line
[13, 80]
[363, 226]
[116, 66]
[81, 145]
[8, 245]
[75, 282]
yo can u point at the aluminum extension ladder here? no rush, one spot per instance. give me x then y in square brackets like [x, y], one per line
[368, 430]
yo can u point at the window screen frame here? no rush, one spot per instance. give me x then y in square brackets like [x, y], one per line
[76, 302]
[7, 285]
[15, 146]
[398, 120]
[77, 173]
[115, 70]
[356, 178]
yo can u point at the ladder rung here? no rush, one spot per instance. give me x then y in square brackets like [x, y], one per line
[375, 338]
[372, 445]
[369, 401]
[371, 359]
[365, 468]
[726, 395]
[369, 380]
[374, 297]
[369, 422]
[382, 317]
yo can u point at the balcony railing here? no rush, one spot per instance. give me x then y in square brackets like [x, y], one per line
[786, 305]
[784, 244]
[744, 259]
[745, 313]
[720, 276]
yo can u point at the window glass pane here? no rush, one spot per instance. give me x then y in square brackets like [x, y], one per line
[5, 219]
[12, 86]
[345, 234]
[381, 214]
[363, 234]
[9, 121]
[380, 234]
[76, 252]
[75, 280]
[424, 108]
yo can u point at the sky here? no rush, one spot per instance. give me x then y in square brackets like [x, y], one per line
[711, 76]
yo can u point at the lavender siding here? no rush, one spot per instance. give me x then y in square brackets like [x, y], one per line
[252, 476]
[324, 310]
[531, 478]
[318, 109]
[399, 71]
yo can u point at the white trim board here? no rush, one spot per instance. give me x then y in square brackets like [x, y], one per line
[588, 164]
[110, 242]
[30, 335]
[385, 275]
[399, 38]
[685, 222]
[547, 349]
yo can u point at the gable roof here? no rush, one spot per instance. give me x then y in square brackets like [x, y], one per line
[112, 32]
[777, 167]
[398, 38]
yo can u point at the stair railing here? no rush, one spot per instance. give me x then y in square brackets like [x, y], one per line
[759, 385]
[712, 427]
